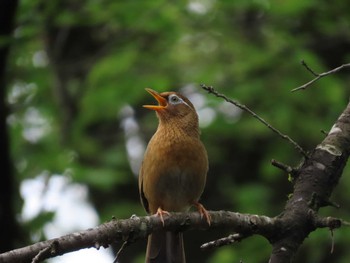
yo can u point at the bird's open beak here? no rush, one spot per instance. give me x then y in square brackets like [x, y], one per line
[162, 101]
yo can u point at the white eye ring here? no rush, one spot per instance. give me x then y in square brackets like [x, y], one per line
[173, 99]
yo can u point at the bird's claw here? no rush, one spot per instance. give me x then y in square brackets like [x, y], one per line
[203, 212]
[160, 213]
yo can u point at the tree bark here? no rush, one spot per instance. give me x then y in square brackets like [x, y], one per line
[313, 185]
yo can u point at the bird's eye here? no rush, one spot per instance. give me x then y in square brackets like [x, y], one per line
[173, 99]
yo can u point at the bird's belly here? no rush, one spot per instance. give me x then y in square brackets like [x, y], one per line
[177, 190]
[174, 178]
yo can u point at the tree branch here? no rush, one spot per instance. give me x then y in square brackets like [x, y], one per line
[211, 90]
[223, 241]
[312, 190]
[286, 168]
[137, 228]
[318, 76]
[127, 231]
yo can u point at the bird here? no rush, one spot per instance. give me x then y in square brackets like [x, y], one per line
[173, 172]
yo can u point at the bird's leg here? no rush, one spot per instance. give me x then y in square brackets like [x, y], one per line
[160, 213]
[203, 212]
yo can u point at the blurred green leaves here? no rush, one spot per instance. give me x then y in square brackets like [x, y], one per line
[102, 54]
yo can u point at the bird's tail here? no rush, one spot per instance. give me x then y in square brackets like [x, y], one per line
[165, 247]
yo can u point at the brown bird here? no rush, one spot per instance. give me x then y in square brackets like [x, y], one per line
[173, 173]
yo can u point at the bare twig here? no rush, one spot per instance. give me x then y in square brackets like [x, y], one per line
[330, 222]
[345, 223]
[324, 132]
[43, 254]
[120, 250]
[286, 168]
[211, 90]
[37, 258]
[223, 241]
[318, 76]
[331, 203]
[332, 237]
[309, 69]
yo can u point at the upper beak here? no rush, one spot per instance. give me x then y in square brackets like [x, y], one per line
[162, 101]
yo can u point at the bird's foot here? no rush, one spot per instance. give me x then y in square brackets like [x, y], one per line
[203, 212]
[160, 213]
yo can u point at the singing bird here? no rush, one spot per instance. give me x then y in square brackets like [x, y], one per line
[173, 172]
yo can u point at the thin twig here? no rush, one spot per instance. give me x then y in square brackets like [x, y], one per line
[332, 237]
[223, 241]
[119, 251]
[329, 222]
[318, 76]
[331, 203]
[210, 89]
[309, 69]
[324, 132]
[345, 223]
[42, 253]
[286, 168]
[37, 258]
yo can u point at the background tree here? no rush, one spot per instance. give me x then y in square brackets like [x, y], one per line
[8, 226]
[81, 68]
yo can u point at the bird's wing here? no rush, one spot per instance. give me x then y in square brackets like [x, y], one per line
[143, 198]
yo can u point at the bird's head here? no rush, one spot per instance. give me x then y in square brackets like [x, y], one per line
[174, 108]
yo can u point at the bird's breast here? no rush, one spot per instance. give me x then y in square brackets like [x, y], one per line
[174, 173]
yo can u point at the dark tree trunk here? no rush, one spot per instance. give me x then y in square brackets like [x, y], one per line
[8, 226]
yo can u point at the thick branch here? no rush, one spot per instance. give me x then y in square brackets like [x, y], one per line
[137, 228]
[313, 187]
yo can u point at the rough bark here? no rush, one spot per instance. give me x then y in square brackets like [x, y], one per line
[313, 186]
[137, 228]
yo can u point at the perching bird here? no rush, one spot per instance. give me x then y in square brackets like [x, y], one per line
[173, 172]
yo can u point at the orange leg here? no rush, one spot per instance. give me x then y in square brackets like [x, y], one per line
[160, 213]
[203, 212]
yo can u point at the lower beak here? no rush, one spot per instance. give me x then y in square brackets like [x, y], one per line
[162, 101]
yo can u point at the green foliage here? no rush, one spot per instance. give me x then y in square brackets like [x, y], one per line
[249, 50]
